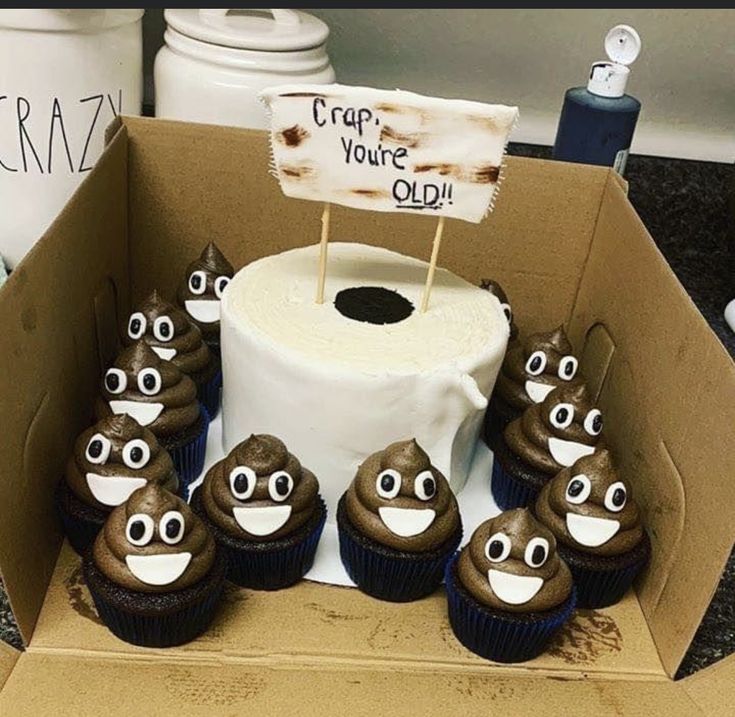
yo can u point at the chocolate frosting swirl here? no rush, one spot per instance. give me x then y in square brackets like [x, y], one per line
[494, 288]
[592, 488]
[566, 425]
[213, 265]
[176, 397]
[511, 564]
[167, 329]
[154, 522]
[549, 357]
[259, 491]
[111, 450]
[399, 499]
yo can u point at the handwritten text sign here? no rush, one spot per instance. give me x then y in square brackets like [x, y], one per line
[388, 151]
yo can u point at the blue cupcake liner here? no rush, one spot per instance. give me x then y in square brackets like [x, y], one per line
[389, 574]
[209, 394]
[189, 458]
[508, 491]
[496, 635]
[80, 530]
[497, 416]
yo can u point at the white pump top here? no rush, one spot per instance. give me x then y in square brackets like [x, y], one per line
[609, 77]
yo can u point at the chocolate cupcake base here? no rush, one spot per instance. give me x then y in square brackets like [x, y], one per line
[389, 574]
[187, 449]
[514, 483]
[498, 635]
[270, 565]
[498, 415]
[156, 619]
[602, 581]
[81, 522]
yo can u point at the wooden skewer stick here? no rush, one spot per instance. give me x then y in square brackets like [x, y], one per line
[432, 264]
[323, 253]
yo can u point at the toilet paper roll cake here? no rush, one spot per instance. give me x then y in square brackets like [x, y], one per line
[340, 380]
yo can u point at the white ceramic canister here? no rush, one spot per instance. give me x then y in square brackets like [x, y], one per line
[64, 75]
[215, 62]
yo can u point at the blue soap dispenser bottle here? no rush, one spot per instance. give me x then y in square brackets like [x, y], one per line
[597, 122]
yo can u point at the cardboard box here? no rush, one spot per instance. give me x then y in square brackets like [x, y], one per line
[568, 247]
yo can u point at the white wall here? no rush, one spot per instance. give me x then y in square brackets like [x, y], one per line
[685, 76]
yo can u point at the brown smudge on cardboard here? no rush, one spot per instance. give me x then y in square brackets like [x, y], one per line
[481, 687]
[293, 136]
[291, 171]
[79, 597]
[228, 609]
[480, 174]
[487, 123]
[189, 687]
[303, 94]
[390, 135]
[371, 193]
[330, 617]
[588, 636]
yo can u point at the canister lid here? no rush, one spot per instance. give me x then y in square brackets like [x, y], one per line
[623, 44]
[270, 30]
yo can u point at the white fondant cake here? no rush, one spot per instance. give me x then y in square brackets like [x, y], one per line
[336, 389]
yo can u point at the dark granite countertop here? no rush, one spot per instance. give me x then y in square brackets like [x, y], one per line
[684, 204]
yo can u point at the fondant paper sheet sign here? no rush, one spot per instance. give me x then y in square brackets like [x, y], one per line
[388, 151]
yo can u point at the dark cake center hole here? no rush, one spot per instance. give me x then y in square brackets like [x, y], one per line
[373, 305]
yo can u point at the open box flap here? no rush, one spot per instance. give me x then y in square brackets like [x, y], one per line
[713, 688]
[8, 658]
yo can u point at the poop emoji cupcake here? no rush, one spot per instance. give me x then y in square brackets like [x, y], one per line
[265, 511]
[508, 591]
[548, 436]
[155, 573]
[494, 288]
[110, 460]
[201, 290]
[597, 524]
[398, 524]
[531, 369]
[174, 337]
[158, 396]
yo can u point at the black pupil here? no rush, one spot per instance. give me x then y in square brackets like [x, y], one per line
[496, 549]
[135, 326]
[507, 313]
[165, 330]
[196, 281]
[597, 423]
[282, 485]
[535, 363]
[241, 482]
[95, 449]
[149, 381]
[113, 382]
[136, 454]
[562, 414]
[387, 482]
[575, 488]
[568, 368]
[173, 527]
[429, 487]
[618, 497]
[137, 529]
[538, 555]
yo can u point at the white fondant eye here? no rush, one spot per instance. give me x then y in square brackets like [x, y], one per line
[497, 547]
[149, 381]
[136, 454]
[280, 485]
[562, 415]
[537, 551]
[568, 368]
[198, 282]
[163, 328]
[536, 363]
[578, 489]
[388, 483]
[136, 325]
[616, 497]
[593, 422]
[424, 485]
[220, 284]
[98, 449]
[508, 312]
[171, 527]
[139, 529]
[115, 380]
[242, 482]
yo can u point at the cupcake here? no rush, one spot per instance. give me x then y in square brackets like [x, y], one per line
[597, 524]
[175, 338]
[548, 436]
[508, 591]
[531, 369]
[265, 511]
[110, 460]
[201, 290]
[157, 395]
[398, 524]
[494, 288]
[154, 572]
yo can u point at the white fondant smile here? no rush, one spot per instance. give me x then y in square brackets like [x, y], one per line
[262, 521]
[566, 453]
[158, 569]
[144, 413]
[513, 589]
[165, 354]
[590, 531]
[537, 392]
[113, 490]
[206, 311]
[407, 522]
